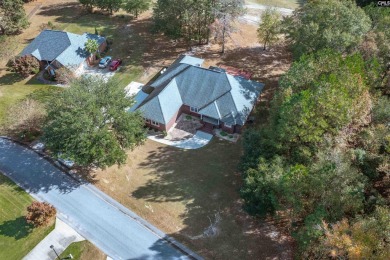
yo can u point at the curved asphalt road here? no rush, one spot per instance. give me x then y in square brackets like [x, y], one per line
[114, 229]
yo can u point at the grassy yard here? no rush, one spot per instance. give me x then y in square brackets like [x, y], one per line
[193, 196]
[13, 89]
[83, 250]
[17, 238]
[290, 4]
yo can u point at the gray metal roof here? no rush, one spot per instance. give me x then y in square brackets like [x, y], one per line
[161, 108]
[67, 48]
[198, 86]
[215, 93]
[75, 54]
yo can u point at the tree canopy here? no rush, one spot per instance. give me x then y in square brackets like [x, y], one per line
[319, 24]
[192, 19]
[89, 123]
[321, 161]
[13, 17]
[136, 6]
[91, 46]
[269, 28]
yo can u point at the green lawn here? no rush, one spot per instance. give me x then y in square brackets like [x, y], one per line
[291, 4]
[14, 89]
[17, 238]
[83, 250]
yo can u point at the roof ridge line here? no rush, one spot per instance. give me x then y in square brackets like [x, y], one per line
[70, 44]
[224, 93]
[234, 102]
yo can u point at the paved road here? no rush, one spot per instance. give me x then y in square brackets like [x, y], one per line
[254, 10]
[117, 231]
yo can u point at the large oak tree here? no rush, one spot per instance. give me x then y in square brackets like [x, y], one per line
[89, 123]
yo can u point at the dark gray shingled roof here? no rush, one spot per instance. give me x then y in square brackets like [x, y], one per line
[215, 93]
[48, 45]
[67, 48]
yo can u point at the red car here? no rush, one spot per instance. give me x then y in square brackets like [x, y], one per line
[115, 64]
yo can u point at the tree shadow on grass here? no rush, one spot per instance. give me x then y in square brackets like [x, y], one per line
[17, 228]
[206, 181]
[66, 12]
[10, 79]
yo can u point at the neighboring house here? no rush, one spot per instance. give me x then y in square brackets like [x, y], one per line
[55, 49]
[220, 100]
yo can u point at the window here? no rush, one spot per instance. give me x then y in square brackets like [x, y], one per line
[155, 123]
[194, 109]
[147, 120]
[228, 125]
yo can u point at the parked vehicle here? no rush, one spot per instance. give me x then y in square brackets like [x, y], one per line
[115, 64]
[104, 62]
[68, 163]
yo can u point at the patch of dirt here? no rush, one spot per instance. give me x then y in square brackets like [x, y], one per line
[211, 231]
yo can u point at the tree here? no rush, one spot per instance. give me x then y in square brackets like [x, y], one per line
[269, 28]
[188, 19]
[89, 123]
[25, 65]
[310, 28]
[40, 213]
[88, 4]
[168, 16]
[64, 75]
[226, 12]
[91, 46]
[320, 95]
[13, 17]
[110, 5]
[366, 238]
[136, 6]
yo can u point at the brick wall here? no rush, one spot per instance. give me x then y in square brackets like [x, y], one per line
[103, 46]
[186, 109]
[229, 130]
[161, 127]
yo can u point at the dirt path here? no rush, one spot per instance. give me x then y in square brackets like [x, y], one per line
[33, 11]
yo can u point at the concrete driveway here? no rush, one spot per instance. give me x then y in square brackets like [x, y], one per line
[199, 140]
[117, 231]
[105, 73]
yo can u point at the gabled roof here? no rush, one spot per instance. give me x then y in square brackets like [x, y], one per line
[67, 48]
[215, 93]
[162, 107]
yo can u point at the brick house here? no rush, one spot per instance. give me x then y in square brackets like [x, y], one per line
[219, 99]
[55, 49]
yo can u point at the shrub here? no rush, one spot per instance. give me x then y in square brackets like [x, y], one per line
[24, 119]
[223, 133]
[64, 75]
[48, 26]
[40, 213]
[25, 65]
[188, 117]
